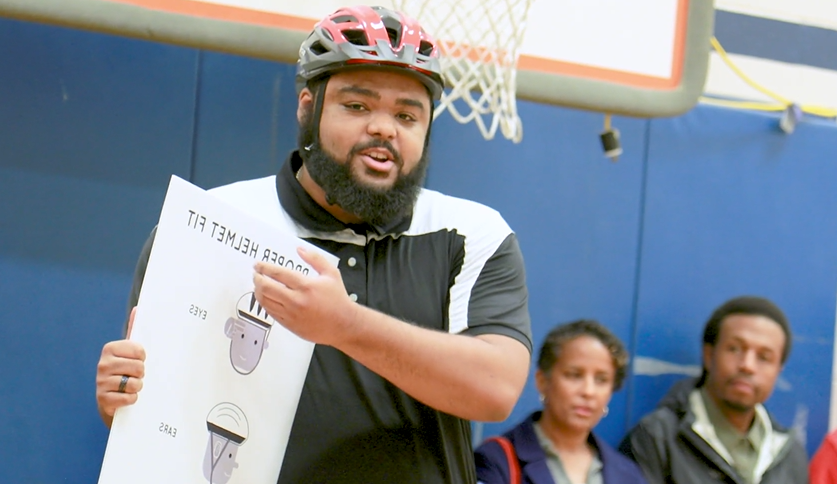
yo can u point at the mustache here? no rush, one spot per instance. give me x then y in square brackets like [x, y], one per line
[741, 377]
[378, 143]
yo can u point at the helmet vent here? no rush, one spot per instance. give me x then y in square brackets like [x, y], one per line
[425, 48]
[394, 36]
[356, 37]
[343, 19]
[318, 48]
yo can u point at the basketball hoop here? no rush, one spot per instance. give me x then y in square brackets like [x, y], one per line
[480, 42]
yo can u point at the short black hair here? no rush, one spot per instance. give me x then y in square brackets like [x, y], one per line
[553, 344]
[748, 305]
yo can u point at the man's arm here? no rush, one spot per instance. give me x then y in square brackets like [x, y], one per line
[477, 378]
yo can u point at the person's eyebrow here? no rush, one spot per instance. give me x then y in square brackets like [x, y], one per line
[353, 89]
[410, 102]
[360, 90]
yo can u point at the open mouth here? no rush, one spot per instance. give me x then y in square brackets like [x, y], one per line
[378, 159]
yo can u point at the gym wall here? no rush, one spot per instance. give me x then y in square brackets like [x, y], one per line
[700, 208]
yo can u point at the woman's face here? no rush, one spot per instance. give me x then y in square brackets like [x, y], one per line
[579, 387]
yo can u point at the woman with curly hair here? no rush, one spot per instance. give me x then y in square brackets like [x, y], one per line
[580, 365]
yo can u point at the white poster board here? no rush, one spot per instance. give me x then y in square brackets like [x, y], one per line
[222, 378]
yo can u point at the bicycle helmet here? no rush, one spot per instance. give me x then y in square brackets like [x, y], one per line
[370, 36]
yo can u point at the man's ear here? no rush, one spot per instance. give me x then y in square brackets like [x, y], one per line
[305, 103]
[707, 356]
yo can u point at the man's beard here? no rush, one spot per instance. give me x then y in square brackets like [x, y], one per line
[373, 205]
[737, 407]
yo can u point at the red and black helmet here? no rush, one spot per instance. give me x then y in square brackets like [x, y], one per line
[371, 36]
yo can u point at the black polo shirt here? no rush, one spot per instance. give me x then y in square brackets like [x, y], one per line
[452, 265]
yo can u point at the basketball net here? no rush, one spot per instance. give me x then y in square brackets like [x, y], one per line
[480, 42]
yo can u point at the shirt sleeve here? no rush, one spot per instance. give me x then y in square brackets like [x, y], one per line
[499, 302]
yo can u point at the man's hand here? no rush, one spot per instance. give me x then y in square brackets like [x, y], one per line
[119, 358]
[315, 308]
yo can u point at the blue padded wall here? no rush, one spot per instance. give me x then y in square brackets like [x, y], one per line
[700, 208]
[734, 206]
[91, 128]
[246, 120]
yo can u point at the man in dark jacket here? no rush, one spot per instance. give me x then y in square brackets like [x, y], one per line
[715, 428]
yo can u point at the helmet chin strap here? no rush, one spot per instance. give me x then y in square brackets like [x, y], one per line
[429, 126]
[316, 115]
[319, 99]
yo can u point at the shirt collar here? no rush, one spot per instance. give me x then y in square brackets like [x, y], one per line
[723, 427]
[308, 213]
[550, 451]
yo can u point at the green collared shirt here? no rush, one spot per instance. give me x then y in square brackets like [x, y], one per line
[556, 468]
[743, 448]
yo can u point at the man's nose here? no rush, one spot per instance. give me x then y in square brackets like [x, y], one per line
[382, 125]
[748, 361]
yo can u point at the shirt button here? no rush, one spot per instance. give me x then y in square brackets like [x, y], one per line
[353, 297]
[352, 261]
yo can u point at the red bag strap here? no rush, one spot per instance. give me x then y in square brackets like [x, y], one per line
[515, 476]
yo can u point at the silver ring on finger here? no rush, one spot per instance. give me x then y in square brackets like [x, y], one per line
[123, 383]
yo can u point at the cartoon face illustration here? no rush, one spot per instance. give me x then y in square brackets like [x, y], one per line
[248, 331]
[228, 429]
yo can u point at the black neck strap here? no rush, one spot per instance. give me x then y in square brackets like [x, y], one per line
[315, 117]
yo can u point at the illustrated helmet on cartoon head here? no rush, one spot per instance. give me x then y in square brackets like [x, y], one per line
[370, 36]
[228, 429]
[249, 309]
[228, 421]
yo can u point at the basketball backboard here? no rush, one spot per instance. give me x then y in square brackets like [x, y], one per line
[642, 58]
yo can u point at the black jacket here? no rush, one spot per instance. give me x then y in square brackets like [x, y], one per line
[668, 449]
